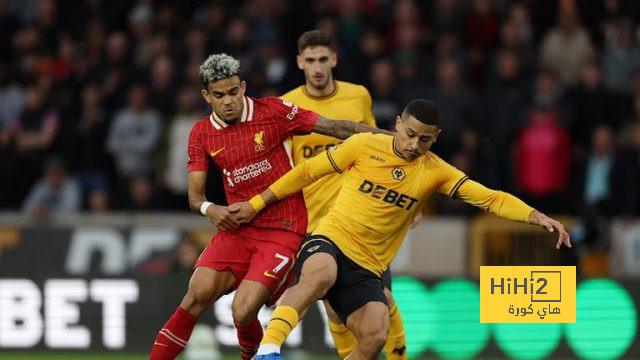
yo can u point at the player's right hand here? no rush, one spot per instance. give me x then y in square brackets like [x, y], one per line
[222, 218]
[242, 211]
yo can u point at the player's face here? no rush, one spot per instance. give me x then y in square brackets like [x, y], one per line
[414, 138]
[225, 97]
[317, 62]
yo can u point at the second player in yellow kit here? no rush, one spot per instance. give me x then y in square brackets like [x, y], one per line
[347, 101]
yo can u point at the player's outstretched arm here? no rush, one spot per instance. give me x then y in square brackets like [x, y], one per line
[217, 215]
[334, 160]
[509, 207]
[290, 183]
[342, 129]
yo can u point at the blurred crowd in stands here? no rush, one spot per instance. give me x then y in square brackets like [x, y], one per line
[539, 97]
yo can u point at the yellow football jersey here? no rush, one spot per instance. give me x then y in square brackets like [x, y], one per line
[381, 192]
[347, 102]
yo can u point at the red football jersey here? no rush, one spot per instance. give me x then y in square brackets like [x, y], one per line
[253, 153]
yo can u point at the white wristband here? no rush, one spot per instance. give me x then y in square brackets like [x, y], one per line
[203, 208]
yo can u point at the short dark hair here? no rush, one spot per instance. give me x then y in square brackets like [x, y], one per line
[424, 111]
[315, 38]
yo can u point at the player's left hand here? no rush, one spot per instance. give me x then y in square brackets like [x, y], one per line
[242, 211]
[538, 218]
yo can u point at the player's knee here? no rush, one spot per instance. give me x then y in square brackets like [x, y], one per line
[242, 312]
[196, 300]
[374, 334]
[374, 341]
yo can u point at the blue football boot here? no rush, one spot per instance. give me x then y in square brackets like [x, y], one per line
[270, 356]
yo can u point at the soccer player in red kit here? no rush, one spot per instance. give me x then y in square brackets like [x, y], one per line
[246, 140]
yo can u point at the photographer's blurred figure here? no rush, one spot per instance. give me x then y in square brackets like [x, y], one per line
[55, 192]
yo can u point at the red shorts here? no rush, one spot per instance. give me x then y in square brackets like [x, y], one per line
[257, 254]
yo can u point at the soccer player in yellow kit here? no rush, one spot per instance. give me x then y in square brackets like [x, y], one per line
[341, 100]
[385, 181]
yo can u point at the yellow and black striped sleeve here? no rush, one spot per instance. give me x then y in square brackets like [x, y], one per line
[334, 160]
[450, 178]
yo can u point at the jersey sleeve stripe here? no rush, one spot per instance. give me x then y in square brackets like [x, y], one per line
[287, 148]
[250, 115]
[245, 109]
[457, 186]
[333, 163]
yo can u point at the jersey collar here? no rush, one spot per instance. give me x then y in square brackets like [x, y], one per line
[393, 147]
[328, 96]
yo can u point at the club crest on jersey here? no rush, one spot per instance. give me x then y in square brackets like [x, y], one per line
[398, 173]
[259, 139]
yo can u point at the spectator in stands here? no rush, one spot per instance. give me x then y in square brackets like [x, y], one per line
[625, 135]
[133, 136]
[621, 58]
[83, 140]
[11, 95]
[567, 47]
[143, 195]
[461, 109]
[56, 192]
[447, 16]
[549, 93]
[518, 15]
[507, 99]
[384, 94]
[513, 39]
[448, 47]
[162, 89]
[178, 135]
[625, 178]
[596, 189]
[35, 133]
[141, 32]
[11, 104]
[410, 77]
[115, 71]
[9, 23]
[372, 47]
[542, 161]
[482, 26]
[593, 106]
[98, 201]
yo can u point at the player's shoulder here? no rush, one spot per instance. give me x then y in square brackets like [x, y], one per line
[433, 160]
[293, 94]
[352, 89]
[433, 157]
[372, 140]
[271, 101]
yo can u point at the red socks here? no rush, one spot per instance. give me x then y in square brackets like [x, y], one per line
[173, 336]
[249, 337]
